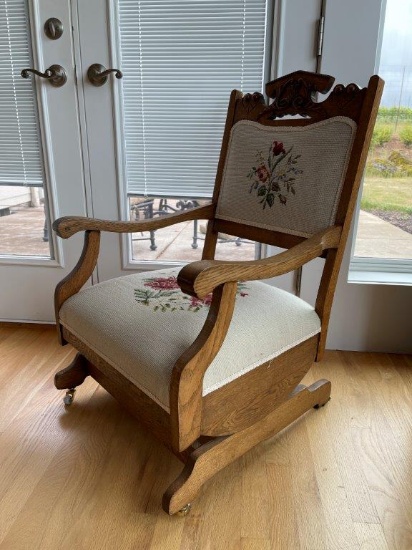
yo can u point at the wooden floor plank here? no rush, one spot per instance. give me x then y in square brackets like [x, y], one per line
[371, 536]
[90, 477]
[312, 526]
[348, 402]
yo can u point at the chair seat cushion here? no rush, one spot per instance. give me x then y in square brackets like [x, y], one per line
[142, 323]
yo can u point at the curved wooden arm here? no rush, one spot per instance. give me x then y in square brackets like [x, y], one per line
[74, 281]
[188, 372]
[200, 278]
[69, 225]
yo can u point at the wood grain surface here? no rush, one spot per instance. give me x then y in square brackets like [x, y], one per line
[89, 477]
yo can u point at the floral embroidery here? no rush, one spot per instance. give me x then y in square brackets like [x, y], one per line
[162, 283]
[164, 294]
[274, 176]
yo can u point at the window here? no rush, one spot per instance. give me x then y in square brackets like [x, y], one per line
[180, 60]
[21, 168]
[383, 241]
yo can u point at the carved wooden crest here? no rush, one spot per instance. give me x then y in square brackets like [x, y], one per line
[296, 94]
[250, 106]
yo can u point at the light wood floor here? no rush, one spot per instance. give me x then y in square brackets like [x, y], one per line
[90, 478]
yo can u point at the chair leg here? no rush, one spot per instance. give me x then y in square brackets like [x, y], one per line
[195, 228]
[213, 456]
[73, 375]
[153, 245]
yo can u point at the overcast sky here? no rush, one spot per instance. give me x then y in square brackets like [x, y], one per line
[396, 55]
[397, 34]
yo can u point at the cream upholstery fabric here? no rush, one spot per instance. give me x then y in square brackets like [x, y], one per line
[142, 323]
[286, 178]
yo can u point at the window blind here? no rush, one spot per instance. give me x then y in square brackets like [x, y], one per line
[20, 149]
[180, 61]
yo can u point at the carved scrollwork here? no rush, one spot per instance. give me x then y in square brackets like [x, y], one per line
[296, 94]
[250, 106]
[343, 95]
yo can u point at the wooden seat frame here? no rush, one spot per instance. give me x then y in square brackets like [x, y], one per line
[209, 432]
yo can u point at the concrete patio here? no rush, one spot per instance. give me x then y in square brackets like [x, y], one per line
[378, 238]
[21, 234]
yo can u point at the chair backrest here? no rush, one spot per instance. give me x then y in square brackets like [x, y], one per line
[281, 180]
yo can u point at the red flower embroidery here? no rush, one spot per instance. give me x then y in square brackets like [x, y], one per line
[262, 173]
[275, 177]
[197, 302]
[278, 148]
[166, 296]
[162, 283]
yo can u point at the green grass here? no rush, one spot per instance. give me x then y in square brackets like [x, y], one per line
[382, 133]
[389, 114]
[388, 176]
[391, 194]
[406, 135]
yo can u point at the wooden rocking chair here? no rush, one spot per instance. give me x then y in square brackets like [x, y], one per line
[209, 358]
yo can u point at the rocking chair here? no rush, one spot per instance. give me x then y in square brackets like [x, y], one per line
[208, 357]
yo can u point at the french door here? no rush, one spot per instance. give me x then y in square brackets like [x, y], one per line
[83, 134]
[154, 136]
[41, 165]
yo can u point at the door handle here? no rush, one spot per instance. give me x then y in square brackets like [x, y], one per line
[55, 74]
[97, 74]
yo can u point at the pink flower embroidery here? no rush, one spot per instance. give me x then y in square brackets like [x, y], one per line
[165, 296]
[162, 283]
[262, 173]
[197, 302]
[275, 176]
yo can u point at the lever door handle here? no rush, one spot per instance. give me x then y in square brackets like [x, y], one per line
[55, 74]
[97, 74]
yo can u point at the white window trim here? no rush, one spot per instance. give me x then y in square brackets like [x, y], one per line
[382, 271]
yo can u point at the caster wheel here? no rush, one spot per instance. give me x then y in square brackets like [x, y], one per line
[185, 510]
[320, 405]
[69, 397]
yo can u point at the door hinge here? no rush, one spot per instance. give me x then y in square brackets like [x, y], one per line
[321, 29]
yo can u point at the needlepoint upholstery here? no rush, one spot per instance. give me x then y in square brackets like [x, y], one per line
[286, 178]
[142, 323]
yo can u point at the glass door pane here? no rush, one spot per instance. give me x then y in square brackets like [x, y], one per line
[385, 221]
[180, 60]
[182, 241]
[23, 221]
[24, 228]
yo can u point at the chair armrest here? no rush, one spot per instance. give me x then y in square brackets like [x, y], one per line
[69, 225]
[200, 278]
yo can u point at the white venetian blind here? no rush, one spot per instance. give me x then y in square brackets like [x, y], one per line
[180, 61]
[20, 150]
